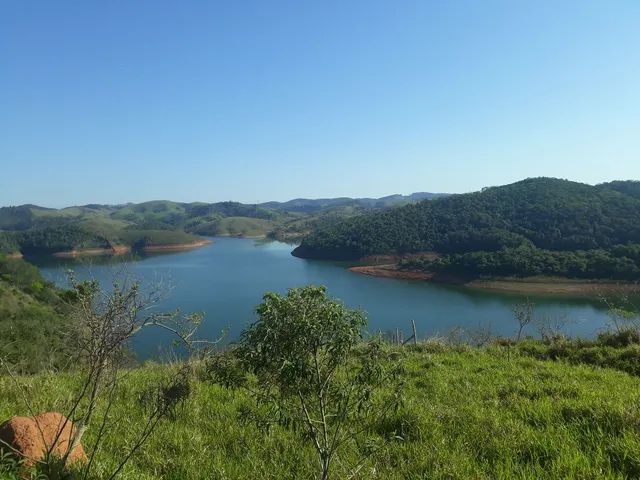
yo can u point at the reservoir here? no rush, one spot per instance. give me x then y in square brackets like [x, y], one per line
[226, 279]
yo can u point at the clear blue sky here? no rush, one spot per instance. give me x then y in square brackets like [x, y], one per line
[117, 101]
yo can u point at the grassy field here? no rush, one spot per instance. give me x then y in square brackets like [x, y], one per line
[479, 413]
[243, 226]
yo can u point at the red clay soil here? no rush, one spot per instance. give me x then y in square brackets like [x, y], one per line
[392, 259]
[120, 249]
[176, 246]
[31, 437]
[388, 271]
[116, 250]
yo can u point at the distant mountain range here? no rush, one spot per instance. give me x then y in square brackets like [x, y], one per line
[305, 205]
[34, 229]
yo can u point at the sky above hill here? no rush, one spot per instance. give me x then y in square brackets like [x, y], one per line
[109, 102]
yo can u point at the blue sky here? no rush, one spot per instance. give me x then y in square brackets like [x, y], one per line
[109, 102]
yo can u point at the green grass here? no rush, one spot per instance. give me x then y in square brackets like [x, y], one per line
[155, 210]
[244, 226]
[487, 413]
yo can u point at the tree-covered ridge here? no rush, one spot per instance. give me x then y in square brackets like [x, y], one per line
[543, 212]
[629, 187]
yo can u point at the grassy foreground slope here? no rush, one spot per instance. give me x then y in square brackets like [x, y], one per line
[482, 413]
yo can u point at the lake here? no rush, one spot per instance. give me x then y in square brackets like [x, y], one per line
[227, 279]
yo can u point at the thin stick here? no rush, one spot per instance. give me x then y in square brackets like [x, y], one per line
[415, 335]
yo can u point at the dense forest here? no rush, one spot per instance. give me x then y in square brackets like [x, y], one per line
[520, 229]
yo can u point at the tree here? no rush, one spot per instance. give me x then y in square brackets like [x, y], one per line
[102, 323]
[523, 313]
[622, 306]
[313, 371]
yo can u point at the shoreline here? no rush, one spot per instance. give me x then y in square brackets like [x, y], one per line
[122, 249]
[240, 235]
[388, 271]
[526, 285]
[93, 252]
[551, 287]
[176, 247]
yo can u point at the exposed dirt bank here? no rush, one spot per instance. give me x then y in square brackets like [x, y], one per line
[390, 271]
[555, 286]
[542, 286]
[121, 249]
[241, 235]
[176, 247]
[391, 260]
[93, 252]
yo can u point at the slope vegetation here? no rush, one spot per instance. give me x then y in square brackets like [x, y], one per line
[480, 413]
[32, 318]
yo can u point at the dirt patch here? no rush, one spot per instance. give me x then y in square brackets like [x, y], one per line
[528, 286]
[560, 287]
[93, 252]
[385, 260]
[176, 247]
[391, 271]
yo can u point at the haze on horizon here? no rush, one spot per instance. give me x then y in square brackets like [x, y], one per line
[105, 102]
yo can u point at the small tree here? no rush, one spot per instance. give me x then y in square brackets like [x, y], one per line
[622, 307]
[551, 327]
[102, 324]
[313, 371]
[523, 313]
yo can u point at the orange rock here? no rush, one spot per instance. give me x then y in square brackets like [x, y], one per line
[32, 437]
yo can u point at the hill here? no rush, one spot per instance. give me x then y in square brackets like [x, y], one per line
[304, 205]
[30, 229]
[540, 214]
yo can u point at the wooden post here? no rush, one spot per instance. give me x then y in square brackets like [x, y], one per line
[415, 335]
[397, 336]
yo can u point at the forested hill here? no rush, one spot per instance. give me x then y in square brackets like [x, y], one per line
[543, 213]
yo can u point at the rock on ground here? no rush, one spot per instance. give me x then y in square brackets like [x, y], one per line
[31, 437]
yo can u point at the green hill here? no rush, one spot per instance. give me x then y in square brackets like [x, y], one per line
[541, 214]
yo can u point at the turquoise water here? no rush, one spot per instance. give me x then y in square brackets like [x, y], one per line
[227, 279]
